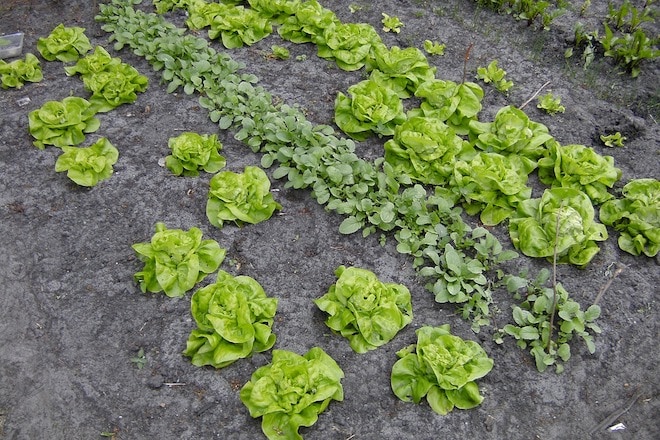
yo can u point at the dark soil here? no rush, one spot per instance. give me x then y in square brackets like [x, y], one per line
[71, 316]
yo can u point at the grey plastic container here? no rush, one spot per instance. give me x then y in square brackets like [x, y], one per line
[11, 45]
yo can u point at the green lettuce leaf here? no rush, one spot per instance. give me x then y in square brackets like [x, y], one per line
[192, 152]
[292, 391]
[636, 217]
[369, 109]
[454, 104]
[240, 197]
[366, 311]
[402, 70]
[579, 167]
[88, 166]
[534, 231]
[175, 260]
[441, 367]
[64, 44]
[18, 72]
[234, 319]
[62, 123]
[308, 23]
[426, 149]
[348, 44]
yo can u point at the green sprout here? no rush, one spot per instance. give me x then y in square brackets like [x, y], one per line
[391, 23]
[550, 104]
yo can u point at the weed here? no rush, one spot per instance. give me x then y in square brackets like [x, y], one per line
[140, 359]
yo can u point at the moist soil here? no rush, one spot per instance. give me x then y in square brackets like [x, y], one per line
[72, 318]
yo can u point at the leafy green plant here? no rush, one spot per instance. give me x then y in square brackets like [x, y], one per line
[561, 222]
[18, 72]
[240, 197]
[542, 309]
[237, 26]
[175, 260]
[441, 367]
[234, 319]
[363, 309]
[493, 185]
[280, 52]
[140, 359]
[348, 44]
[627, 17]
[276, 10]
[64, 44]
[401, 70]
[613, 140]
[512, 133]
[292, 391]
[426, 150]
[368, 109]
[579, 167]
[62, 123]
[308, 23]
[192, 152]
[452, 103]
[636, 216]
[495, 75]
[550, 104]
[434, 48]
[391, 23]
[90, 165]
[629, 50]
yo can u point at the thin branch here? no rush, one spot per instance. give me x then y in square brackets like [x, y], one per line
[607, 285]
[465, 61]
[618, 413]
[534, 95]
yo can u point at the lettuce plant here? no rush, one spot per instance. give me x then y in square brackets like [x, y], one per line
[192, 152]
[240, 197]
[88, 166]
[175, 260]
[308, 23]
[292, 391]
[66, 44]
[18, 72]
[511, 132]
[434, 47]
[276, 10]
[62, 123]
[579, 167]
[363, 309]
[399, 69]
[115, 86]
[636, 217]
[348, 44]
[368, 109]
[96, 62]
[441, 367]
[234, 319]
[550, 104]
[493, 185]
[426, 149]
[452, 103]
[237, 26]
[495, 75]
[391, 23]
[562, 221]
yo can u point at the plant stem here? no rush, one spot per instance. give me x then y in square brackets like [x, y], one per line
[534, 95]
[465, 61]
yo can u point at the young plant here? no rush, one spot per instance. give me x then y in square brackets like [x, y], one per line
[240, 197]
[434, 48]
[348, 44]
[391, 23]
[62, 123]
[175, 260]
[636, 217]
[308, 23]
[401, 70]
[366, 311]
[452, 103]
[192, 152]
[495, 75]
[542, 309]
[140, 359]
[237, 26]
[579, 167]
[613, 140]
[65, 44]
[234, 319]
[292, 391]
[550, 104]
[88, 166]
[629, 50]
[534, 230]
[279, 52]
[368, 109]
[18, 72]
[441, 367]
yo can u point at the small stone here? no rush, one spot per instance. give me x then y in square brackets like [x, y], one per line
[155, 382]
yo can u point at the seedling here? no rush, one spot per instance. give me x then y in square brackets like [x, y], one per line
[550, 104]
[279, 52]
[140, 360]
[434, 48]
[391, 23]
[613, 140]
[495, 75]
